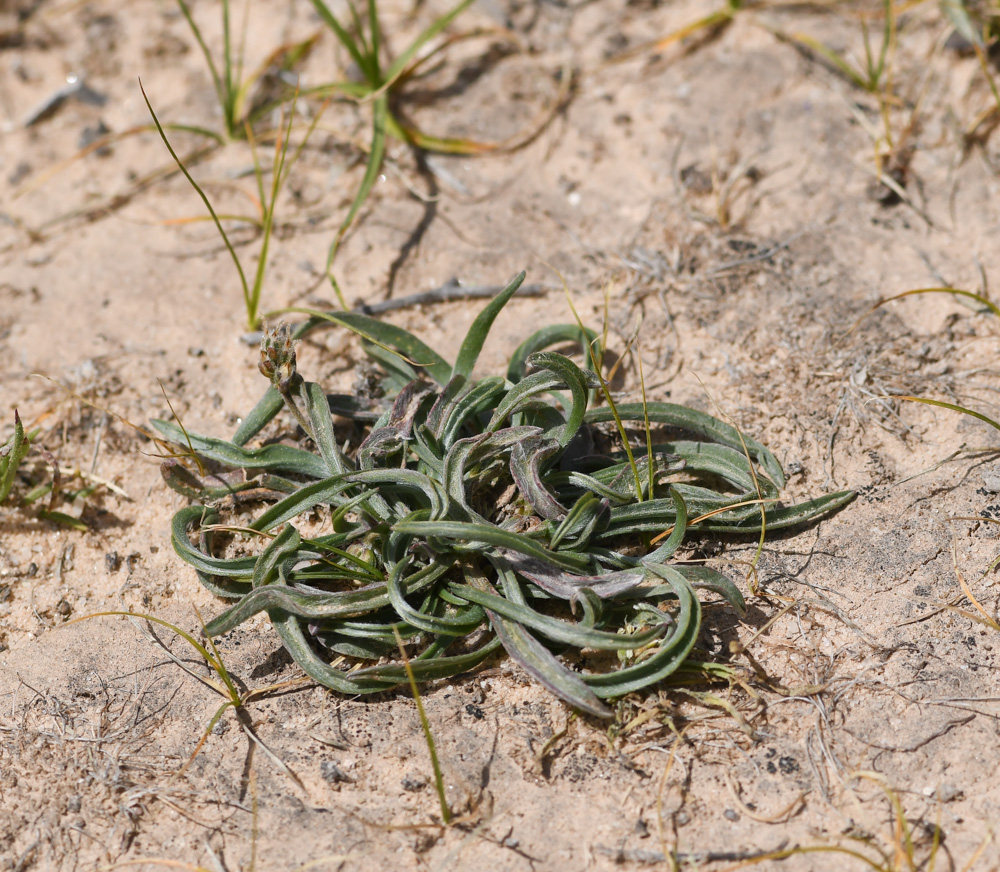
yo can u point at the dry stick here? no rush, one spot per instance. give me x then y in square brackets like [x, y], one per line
[767, 254]
[778, 817]
[987, 619]
[625, 855]
[446, 293]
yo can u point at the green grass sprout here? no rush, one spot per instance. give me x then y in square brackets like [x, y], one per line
[365, 50]
[871, 76]
[483, 512]
[234, 92]
[243, 102]
[382, 78]
[279, 175]
[12, 456]
[12, 453]
[426, 727]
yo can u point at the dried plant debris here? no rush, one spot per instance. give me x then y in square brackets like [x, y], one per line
[475, 514]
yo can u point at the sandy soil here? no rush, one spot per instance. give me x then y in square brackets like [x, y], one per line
[723, 191]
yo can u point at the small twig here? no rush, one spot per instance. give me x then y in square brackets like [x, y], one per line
[623, 855]
[74, 472]
[763, 255]
[447, 293]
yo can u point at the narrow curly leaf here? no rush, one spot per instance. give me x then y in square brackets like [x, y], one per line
[706, 578]
[237, 568]
[577, 635]
[260, 416]
[556, 334]
[445, 403]
[522, 396]
[567, 585]
[712, 429]
[277, 458]
[430, 669]
[577, 380]
[319, 606]
[588, 515]
[669, 653]
[490, 535]
[526, 460]
[788, 517]
[476, 337]
[472, 451]
[479, 398]
[219, 486]
[385, 335]
[673, 541]
[459, 624]
[318, 412]
[535, 659]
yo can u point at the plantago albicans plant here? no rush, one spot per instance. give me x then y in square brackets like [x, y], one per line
[476, 514]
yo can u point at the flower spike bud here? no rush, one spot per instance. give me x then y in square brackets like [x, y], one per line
[277, 357]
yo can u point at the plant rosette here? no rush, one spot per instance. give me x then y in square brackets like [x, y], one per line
[474, 514]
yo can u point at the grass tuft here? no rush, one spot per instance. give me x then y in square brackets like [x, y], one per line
[281, 166]
[236, 94]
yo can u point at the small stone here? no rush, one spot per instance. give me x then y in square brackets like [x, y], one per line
[413, 783]
[91, 134]
[64, 608]
[788, 765]
[332, 773]
[949, 793]
[730, 815]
